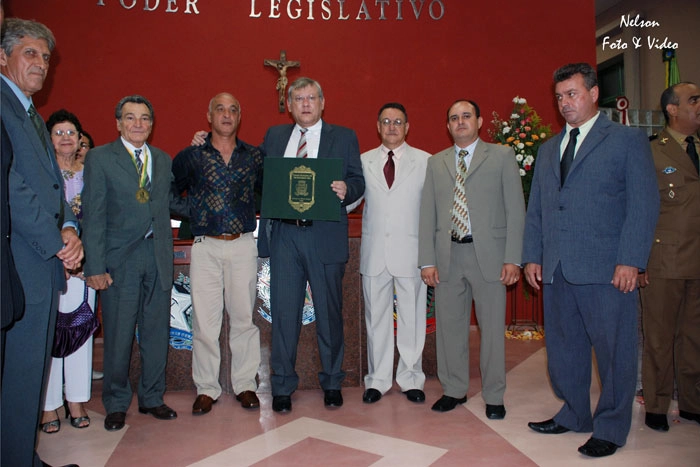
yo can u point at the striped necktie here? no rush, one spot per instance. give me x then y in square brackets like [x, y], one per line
[460, 213]
[302, 150]
[140, 169]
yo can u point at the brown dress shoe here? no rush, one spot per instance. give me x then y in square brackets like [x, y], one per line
[202, 404]
[248, 400]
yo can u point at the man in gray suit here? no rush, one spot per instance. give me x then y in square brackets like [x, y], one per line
[44, 236]
[129, 251]
[589, 228]
[470, 237]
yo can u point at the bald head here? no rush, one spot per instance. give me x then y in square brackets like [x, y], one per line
[224, 115]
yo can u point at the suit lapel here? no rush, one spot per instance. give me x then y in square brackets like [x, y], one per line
[46, 156]
[555, 160]
[598, 133]
[405, 167]
[157, 171]
[123, 160]
[480, 155]
[676, 153]
[375, 168]
[324, 146]
[284, 140]
[448, 160]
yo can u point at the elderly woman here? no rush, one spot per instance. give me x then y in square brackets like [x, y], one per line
[65, 131]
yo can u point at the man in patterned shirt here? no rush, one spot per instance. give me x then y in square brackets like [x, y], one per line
[220, 178]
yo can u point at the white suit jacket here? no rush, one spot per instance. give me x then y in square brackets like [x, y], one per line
[391, 215]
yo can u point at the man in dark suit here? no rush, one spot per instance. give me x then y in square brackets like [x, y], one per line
[476, 257]
[12, 295]
[129, 257]
[671, 284]
[44, 236]
[313, 251]
[588, 230]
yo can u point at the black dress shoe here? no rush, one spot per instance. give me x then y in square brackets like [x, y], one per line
[281, 403]
[495, 412]
[549, 427]
[415, 395]
[447, 403]
[162, 412]
[656, 421]
[595, 447]
[332, 398]
[115, 421]
[689, 415]
[371, 396]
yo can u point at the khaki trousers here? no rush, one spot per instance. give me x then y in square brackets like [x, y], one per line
[223, 276]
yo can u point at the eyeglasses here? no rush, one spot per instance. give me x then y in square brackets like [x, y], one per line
[387, 122]
[300, 99]
[60, 133]
[84, 145]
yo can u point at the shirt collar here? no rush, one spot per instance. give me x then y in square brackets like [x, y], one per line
[680, 138]
[315, 128]
[471, 148]
[24, 100]
[398, 152]
[130, 147]
[583, 129]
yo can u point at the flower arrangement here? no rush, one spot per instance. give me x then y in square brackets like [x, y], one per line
[524, 132]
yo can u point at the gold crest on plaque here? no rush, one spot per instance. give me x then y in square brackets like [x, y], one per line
[302, 187]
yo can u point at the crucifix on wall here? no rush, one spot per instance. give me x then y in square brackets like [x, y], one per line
[281, 65]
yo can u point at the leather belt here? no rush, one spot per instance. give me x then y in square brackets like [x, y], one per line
[298, 222]
[225, 236]
[467, 239]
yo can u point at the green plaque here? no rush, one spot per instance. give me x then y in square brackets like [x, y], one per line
[301, 188]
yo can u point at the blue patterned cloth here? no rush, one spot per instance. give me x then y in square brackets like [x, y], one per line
[222, 196]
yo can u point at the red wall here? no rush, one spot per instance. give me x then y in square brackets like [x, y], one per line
[489, 51]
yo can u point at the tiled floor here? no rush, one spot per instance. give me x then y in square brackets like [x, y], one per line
[392, 432]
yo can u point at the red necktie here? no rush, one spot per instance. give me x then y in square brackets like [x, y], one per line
[389, 169]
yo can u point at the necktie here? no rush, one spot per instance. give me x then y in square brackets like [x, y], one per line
[568, 158]
[389, 169]
[38, 123]
[460, 214]
[302, 150]
[140, 169]
[692, 152]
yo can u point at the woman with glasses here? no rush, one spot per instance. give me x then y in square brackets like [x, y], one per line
[76, 368]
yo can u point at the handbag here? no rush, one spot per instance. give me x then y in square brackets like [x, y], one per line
[74, 329]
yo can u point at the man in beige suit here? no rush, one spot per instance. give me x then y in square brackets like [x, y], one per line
[394, 174]
[470, 238]
[671, 284]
